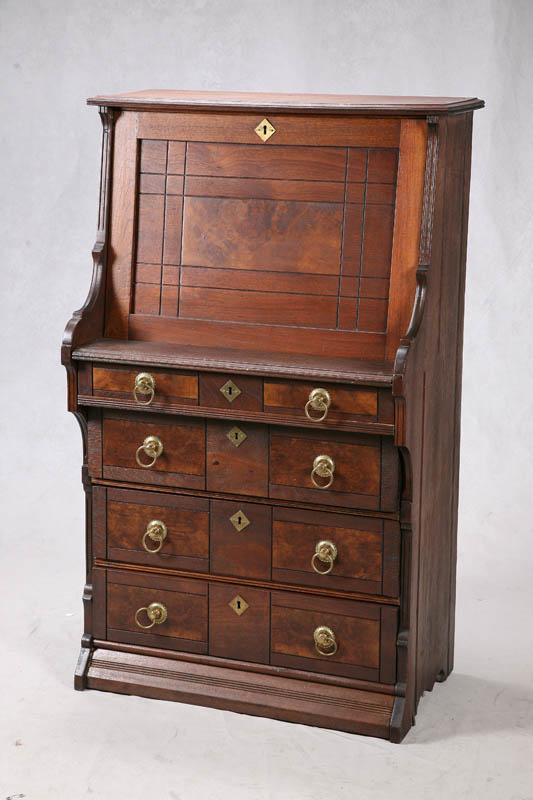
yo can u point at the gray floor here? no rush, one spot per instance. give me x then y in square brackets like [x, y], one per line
[473, 738]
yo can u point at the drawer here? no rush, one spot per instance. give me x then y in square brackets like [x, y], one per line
[237, 458]
[240, 539]
[326, 403]
[173, 611]
[232, 392]
[130, 439]
[338, 637]
[335, 551]
[145, 386]
[151, 528]
[334, 468]
[239, 622]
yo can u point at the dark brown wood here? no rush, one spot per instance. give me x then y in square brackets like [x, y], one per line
[295, 103]
[186, 545]
[331, 256]
[240, 551]
[244, 635]
[182, 462]
[233, 467]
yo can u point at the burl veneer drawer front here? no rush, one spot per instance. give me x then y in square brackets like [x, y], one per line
[151, 528]
[154, 449]
[335, 551]
[327, 404]
[239, 622]
[145, 386]
[334, 468]
[338, 637]
[240, 540]
[157, 611]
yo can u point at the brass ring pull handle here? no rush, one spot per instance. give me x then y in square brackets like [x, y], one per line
[144, 387]
[325, 641]
[156, 531]
[156, 613]
[151, 447]
[323, 469]
[319, 400]
[325, 553]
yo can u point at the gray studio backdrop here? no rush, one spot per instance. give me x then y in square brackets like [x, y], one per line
[56, 53]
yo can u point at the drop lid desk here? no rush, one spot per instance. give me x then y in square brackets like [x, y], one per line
[267, 375]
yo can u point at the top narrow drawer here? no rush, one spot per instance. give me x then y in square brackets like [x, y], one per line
[293, 402]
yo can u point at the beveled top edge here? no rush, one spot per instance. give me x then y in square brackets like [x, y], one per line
[175, 99]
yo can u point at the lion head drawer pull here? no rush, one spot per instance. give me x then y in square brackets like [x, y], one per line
[319, 401]
[325, 553]
[156, 531]
[156, 613]
[325, 641]
[144, 388]
[323, 472]
[151, 447]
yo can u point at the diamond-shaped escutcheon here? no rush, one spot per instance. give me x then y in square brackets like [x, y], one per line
[230, 391]
[239, 520]
[236, 436]
[265, 130]
[238, 604]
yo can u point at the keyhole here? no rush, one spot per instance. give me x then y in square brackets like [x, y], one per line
[230, 390]
[239, 604]
[264, 130]
[236, 436]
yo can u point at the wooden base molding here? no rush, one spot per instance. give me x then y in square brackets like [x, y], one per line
[282, 698]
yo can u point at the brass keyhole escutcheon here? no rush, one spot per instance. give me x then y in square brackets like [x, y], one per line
[144, 388]
[265, 130]
[238, 604]
[236, 436]
[230, 391]
[152, 447]
[239, 520]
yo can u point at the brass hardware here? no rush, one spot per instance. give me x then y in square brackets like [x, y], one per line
[326, 553]
[157, 532]
[319, 400]
[236, 436]
[325, 641]
[238, 604]
[144, 385]
[239, 520]
[152, 447]
[323, 467]
[265, 130]
[156, 613]
[230, 391]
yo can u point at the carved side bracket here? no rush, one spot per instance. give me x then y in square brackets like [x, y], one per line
[88, 322]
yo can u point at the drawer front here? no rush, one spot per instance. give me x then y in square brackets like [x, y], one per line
[145, 386]
[232, 392]
[338, 637]
[240, 539]
[237, 458]
[327, 404]
[360, 471]
[182, 625]
[335, 551]
[181, 462]
[151, 528]
[239, 622]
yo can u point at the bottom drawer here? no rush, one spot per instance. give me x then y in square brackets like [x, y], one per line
[318, 634]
